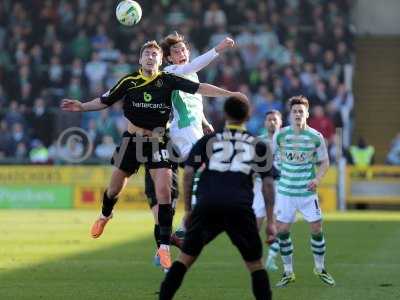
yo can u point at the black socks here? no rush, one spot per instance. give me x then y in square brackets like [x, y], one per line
[165, 215]
[260, 285]
[157, 235]
[172, 281]
[108, 205]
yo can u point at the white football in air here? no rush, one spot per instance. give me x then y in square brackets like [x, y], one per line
[128, 12]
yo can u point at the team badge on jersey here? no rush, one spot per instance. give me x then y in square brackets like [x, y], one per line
[159, 83]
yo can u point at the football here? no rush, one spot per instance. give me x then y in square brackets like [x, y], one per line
[128, 12]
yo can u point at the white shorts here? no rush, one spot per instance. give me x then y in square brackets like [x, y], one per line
[185, 138]
[258, 200]
[286, 208]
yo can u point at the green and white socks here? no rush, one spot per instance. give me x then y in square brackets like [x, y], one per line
[286, 247]
[317, 246]
[318, 249]
[273, 249]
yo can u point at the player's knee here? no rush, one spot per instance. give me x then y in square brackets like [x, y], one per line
[253, 266]
[164, 193]
[316, 227]
[282, 227]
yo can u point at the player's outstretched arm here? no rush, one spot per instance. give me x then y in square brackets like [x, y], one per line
[203, 60]
[77, 106]
[210, 90]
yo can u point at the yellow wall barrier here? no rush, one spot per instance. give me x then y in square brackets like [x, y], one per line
[87, 183]
[374, 185]
[327, 192]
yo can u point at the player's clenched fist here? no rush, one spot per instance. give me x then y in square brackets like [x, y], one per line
[225, 44]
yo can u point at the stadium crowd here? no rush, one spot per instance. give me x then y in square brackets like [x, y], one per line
[56, 49]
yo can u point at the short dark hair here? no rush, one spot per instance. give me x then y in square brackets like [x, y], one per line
[237, 109]
[273, 111]
[150, 44]
[171, 40]
[298, 100]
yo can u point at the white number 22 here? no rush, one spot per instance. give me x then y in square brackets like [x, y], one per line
[221, 160]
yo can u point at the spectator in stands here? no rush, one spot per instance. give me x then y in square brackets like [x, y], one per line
[343, 103]
[55, 73]
[362, 156]
[21, 152]
[81, 46]
[13, 115]
[100, 39]
[92, 132]
[343, 56]
[74, 89]
[319, 95]
[266, 40]
[48, 53]
[18, 135]
[106, 125]
[76, 70]
[214, 16]
[307, 78]
[106, 149]
[39, 153]
[5, 140]
[393, 157]
[72, 151]
[328, 66]
[176, 16]
[264, 101]
[313, 54]
[321, 122]
[40, 118]
[95, 71]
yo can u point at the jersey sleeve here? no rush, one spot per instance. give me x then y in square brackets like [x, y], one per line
[198, 154]
[195, 65]
[182, 84]
[322, 152]
[263, 159]
[115, 94]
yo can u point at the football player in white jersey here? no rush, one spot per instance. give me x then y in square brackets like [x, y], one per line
[189, 123]
[300, 149]
[272, 123]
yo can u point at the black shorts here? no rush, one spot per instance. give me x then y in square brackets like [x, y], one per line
[135, 150]
[238, 222]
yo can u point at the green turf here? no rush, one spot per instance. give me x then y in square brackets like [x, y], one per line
[49, 255]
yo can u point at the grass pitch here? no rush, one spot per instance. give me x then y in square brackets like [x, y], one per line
[49, 255]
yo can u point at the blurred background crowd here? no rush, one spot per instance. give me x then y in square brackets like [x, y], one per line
[56, 49]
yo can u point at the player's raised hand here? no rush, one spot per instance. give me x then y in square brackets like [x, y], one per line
[71, 105]
[225, 44]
